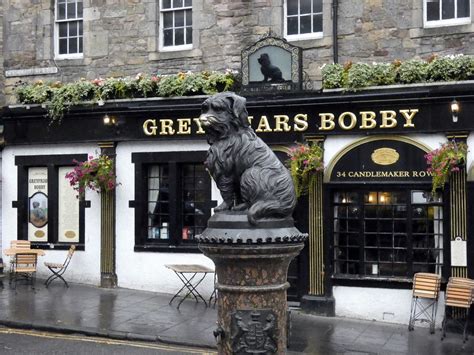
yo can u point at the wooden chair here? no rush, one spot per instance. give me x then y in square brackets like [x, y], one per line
[24, 267]
[424, 305]
[459, 294]
[59, 269]
[18, 244]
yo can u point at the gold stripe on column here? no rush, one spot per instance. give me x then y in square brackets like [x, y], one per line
[316, 253]
[107, 232]
[458, 212]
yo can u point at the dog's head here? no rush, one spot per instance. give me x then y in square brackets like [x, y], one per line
[222, 114]
[264, 60]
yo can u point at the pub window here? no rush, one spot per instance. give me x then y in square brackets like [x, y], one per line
[176, 24]
[173, 200]
[303, 19]
[49, 212]
[446, 12]
[68, 29]
[387, 234]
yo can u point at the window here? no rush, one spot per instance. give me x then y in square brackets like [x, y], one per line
[173, 200]
[387, 233]
[176, 25]
[68, 29]
[304, 19]
[446, 12]
[49, 213]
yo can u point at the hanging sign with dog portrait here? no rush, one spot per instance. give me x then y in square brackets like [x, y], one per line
[37, 204]
[271, 64]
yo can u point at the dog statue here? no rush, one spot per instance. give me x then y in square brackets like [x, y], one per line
[269, 70]
[247, 172]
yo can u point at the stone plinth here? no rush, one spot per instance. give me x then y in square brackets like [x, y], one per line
[251, 266]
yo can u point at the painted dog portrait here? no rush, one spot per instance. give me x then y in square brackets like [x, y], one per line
[269, 71]
[248, 174]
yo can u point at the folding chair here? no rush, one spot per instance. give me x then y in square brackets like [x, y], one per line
[424, 304]
[24, 267]
[59, 269]
[459, 294]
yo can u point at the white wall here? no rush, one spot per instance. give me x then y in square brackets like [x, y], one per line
[380, 304]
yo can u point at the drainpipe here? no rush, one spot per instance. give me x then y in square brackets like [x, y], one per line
[334, 31]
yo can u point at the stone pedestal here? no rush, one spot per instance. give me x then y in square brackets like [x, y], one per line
[251, 266]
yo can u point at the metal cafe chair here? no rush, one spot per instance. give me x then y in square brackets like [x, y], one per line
[424, 304]
[59, 269]
[459, 294]
[24, 267]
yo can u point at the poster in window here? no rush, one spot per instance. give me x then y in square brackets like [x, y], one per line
[38, 204]
[68, 209]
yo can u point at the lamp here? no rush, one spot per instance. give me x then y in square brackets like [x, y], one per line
[109, 120]
[455, 110]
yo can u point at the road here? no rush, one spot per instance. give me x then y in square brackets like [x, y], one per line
[17, 341]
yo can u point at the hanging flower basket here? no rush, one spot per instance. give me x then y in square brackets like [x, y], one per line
[305, 160]
[96, 174]
[449, 158]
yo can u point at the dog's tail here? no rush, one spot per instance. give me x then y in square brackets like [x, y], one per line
[269, 208]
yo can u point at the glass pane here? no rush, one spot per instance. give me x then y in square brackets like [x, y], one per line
[166, 4]
[370, 226]
[168, 20]
[72, 29]
[189, 18]
[386, 255]
[292, 7]
[73, 45]
[80, 28]
[63, 29]
[371, 255]
[71, 10]
[463, 8]
[318, 23]
[305, 6]
[80, 44]
[432, 10]
[189, 35]
[61, 11]
[353, 253]
[63, 46]
[400, 211]
[305, 24]
[188, 2]
[292, 26]
[353, 239]
[177, 3]
[400, 241]
[371, 240]
[447, 9]
[386, 240]
[317, 6]
[79, 9]
[179, 18]
[179, 37]
[168, 37]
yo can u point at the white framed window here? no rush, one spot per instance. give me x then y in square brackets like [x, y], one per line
[303, 19]
[176, 25]
[68, 29]
[437, 13]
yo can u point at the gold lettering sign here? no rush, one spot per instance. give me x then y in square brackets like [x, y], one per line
[385, 156]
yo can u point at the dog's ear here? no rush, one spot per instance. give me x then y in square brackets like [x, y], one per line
[239, 109]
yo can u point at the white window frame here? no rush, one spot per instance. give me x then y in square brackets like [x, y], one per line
[56, 32]
[444, 23]
[182, 47]
[304, 36]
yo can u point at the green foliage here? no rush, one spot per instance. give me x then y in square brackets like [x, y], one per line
[360, 75]
[59, 97]
[305, 160]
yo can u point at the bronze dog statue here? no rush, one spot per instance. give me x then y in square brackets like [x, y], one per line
[247, 172]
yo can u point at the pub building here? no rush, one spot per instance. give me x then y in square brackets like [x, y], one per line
[372, 219]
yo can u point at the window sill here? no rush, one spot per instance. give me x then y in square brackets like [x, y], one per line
[189, 53]
[441, 30]
[167, 248]
[52, 246]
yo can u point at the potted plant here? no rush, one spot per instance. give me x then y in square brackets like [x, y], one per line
[449, 158]
[96, 174]
[305, 160]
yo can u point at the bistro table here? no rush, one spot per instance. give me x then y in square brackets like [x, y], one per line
[188, 274]
[14, 251]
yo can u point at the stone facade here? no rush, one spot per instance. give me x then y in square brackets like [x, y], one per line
[121, 36]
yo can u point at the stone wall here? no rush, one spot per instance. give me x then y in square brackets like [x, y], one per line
[2, 77]
[121, 36]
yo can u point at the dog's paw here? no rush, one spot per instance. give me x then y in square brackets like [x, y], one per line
[224, 206]
[240, 207]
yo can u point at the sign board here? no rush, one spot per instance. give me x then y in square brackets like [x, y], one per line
[458, 252]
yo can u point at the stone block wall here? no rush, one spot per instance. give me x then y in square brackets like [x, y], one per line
[121, 37]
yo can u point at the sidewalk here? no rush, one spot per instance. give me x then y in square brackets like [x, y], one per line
[140, 315]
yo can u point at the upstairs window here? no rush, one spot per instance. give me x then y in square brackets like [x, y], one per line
[68, 29]
[176, 25]
[446, 12]
[303, 19]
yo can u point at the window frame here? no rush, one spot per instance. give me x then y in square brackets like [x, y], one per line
[173, 48]
[142, 161]
[378, 281]
[57, 21]
[304, 36]
[52, 163]
[447, 22]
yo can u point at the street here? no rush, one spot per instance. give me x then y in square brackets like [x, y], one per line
[17, 341]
